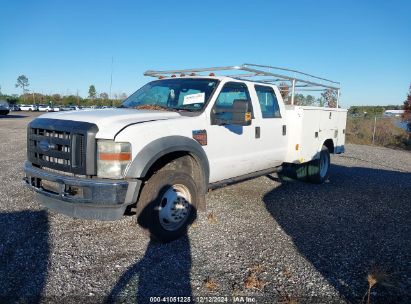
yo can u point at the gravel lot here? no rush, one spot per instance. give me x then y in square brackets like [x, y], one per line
[264, 238]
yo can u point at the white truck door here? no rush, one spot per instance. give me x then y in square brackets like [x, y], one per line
[271, 130]
[230, 148]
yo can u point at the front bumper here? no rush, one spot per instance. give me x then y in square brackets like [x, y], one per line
[82, 197]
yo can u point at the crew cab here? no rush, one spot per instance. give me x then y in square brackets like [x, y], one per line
[171, 141]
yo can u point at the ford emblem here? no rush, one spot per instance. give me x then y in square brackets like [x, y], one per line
[44, 145]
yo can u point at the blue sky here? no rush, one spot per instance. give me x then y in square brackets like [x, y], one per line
[64, 46]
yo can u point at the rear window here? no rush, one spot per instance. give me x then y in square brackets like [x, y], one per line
[268, 102]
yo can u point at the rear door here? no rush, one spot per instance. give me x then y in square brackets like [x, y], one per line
[270, 127]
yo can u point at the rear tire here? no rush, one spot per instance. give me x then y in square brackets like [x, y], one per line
[318, 169]
[167, 205]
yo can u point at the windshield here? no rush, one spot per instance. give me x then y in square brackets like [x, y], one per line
[175, 94]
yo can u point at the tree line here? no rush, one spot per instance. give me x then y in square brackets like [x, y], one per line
[328, 97]
[94, 98]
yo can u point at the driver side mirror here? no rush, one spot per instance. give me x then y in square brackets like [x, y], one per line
[239, 114]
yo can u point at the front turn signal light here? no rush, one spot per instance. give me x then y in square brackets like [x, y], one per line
[112, 158]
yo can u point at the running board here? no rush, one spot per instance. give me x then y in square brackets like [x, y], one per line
[242, 178]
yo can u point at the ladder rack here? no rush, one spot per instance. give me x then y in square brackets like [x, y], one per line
[263, 74]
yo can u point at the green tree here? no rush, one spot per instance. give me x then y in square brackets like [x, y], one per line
[23, 83]
[103, 95]
[302, 100]
[92, 92]
[321, 102]
[70, 100]
[56, 97]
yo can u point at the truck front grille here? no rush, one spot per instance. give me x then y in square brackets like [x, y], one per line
[62, 145]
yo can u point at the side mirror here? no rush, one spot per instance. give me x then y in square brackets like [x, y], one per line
[239, 114]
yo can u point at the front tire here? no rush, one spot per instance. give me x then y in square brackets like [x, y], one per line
[318, 170]
[167, 205]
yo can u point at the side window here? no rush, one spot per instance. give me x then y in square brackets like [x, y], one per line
[268, 102]
[230, 92]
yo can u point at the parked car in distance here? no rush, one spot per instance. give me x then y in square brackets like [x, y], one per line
[48, 108]
[70, 108]
[43, 108]
[4, 107]
[14, 107]
[29, 108]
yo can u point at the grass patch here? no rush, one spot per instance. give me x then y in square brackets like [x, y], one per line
[387, 133]
[211, 218]
[252, 281]
[374, 277]
[210, 284]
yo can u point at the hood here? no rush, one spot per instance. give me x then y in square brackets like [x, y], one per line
[111, 121]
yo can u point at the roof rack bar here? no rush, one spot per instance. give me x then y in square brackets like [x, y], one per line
[247, 67]
[289, 70]
[256, 70]
[158, 73]
[291, 78]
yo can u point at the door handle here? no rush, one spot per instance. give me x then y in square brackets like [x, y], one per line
[257, 132]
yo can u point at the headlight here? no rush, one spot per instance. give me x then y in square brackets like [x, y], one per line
[112, 158]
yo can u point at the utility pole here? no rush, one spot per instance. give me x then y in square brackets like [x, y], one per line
[373, 132]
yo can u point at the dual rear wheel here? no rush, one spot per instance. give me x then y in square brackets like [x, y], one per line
[315, 171]
[318, 169]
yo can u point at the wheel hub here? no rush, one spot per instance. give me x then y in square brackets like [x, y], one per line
[174, 207]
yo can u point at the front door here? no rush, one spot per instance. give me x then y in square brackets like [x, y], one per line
[230, 148]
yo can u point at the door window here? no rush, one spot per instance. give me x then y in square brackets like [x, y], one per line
[268, 102]
[229, 93]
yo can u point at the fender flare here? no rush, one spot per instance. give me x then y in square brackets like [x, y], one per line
[165, 145]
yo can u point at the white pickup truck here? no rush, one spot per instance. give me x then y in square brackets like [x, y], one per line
[178, 136]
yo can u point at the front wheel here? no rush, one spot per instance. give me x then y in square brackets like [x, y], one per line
[318, 169]
[167, 205]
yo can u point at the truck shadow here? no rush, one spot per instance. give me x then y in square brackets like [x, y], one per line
[24, 254]
[355, 225]
[163, 271]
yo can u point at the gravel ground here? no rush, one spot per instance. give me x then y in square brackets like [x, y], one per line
[265, 238]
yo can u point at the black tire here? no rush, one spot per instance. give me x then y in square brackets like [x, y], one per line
[319, 169]
[154, 195]
[294, 172]
[30, 110]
